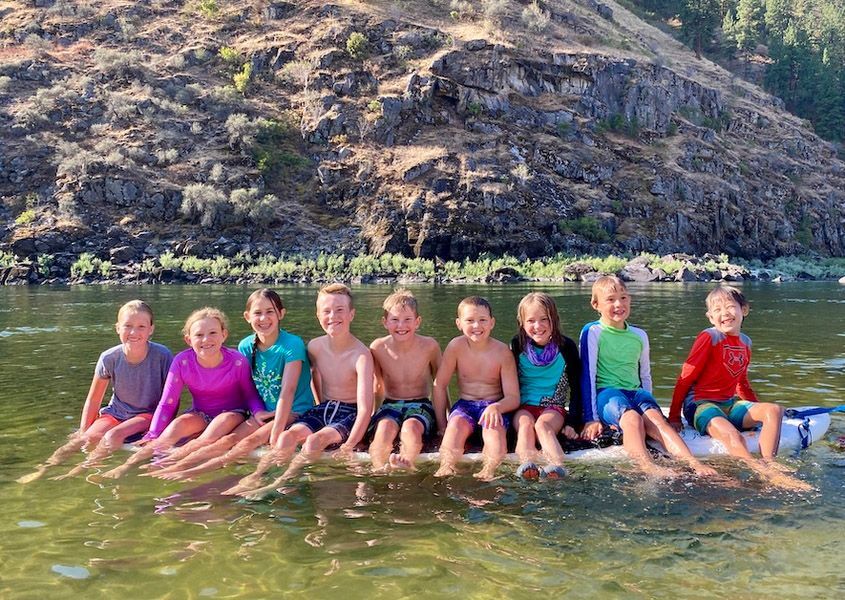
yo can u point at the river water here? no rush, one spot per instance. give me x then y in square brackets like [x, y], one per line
[341, 531]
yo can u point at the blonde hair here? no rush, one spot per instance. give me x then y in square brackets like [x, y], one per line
[135, 306]
[336, 288]
[207, 312]
[478, 301]
[727, 292]
[548, 304]
[607, 283]
[400, 298]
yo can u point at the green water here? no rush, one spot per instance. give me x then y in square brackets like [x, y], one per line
[344, 533]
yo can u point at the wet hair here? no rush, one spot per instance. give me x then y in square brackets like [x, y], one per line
[400, 298]
[607, 283]
[206, 312]
[548, 304]
[275, 300]
[135, 306]
[475, 301]
[338, 289]
[728, 292]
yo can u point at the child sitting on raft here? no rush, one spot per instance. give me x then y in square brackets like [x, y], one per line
[488, 388]
[281, 373]
[220, 384]
[342, 373]
[714, 393]
[136, 369]
[405, 364]
[616, 382]
[549, 372]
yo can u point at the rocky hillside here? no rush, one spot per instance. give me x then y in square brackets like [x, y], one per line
[422, 127]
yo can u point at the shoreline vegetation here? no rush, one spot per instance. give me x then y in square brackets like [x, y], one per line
[244, 268]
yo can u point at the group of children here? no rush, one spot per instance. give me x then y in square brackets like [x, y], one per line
[336, 391]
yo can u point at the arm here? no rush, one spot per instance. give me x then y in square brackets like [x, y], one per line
[364, 399]
[93, 400]
[690, 371]
[575, 412]
[316, 380]
[290, 379]
[645, 364]
[378, 378]
[249, 394]
[435, 357]
[492, 415]
[589, 362]
[441, 386]
[169, 403]
[743, 386]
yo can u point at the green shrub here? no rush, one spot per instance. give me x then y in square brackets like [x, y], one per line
[475, 108]
[356, 45]
[85, 264]
[168, 261]
[208, 8]
[45, 262]
[535, 18]
[230, 56]
[587, 227]
[25, 218]
[242, 78]
[7, 259]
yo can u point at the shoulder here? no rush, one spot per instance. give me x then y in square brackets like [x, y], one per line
[111, 354]
[245, 345]
[455, 344]
[160, 350]
[184, 358]
[568, 345]
[286, 338]
[711, 334]
[379, 343]
[317, 344]
[638, 331]
[745, 339]
[233, 356]
[592, 326]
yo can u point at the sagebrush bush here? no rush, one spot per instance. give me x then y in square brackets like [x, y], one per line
[357, 45]
[535, 18]
[206, 204]
[297, 72]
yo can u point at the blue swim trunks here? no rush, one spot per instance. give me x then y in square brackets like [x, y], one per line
[471, 411]
[699, 414]
[337, 415]
[400, 411]
[612, 403]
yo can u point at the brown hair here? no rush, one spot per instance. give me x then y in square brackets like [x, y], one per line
[206, 312]
[730, 292]
[135, 306]
[265, 294]
[400, 298]
[548, 304]
[475, 301]
[336, 288]
[604, 283]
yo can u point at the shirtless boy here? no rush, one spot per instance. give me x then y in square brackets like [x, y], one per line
[487, 385]
[342, 373]
[405, 364]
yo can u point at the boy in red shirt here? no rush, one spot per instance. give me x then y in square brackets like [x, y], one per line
[714, 392]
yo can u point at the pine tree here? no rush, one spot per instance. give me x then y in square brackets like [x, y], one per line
[698, 18]
[777, 16]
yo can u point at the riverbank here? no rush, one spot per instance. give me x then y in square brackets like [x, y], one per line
[393, 268]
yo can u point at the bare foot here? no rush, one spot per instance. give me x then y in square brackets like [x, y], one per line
[487, 473]
[37, 474]
[397, 461]
[445, 471]
[115, 473]
[788, 483]
[657, 472]
[702, 470]
[776, 466]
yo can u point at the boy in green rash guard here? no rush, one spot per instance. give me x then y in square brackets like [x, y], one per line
[616, 382]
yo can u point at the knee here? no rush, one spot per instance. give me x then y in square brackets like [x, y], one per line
[631, 419]
[774, 412]
[412, 427]
[312, 445]
[111, 441]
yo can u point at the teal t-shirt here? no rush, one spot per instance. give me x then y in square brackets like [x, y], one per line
[269, 364]
[538, 382]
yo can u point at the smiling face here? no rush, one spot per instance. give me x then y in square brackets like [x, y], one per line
[334, 313]
[537, 323]
[134, 329]
[726, 314]
[206, 337]
[263, 316]
[401, 323]
[614, 306]
[475, 322]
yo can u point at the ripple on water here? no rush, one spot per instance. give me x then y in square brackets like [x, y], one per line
[31, 524]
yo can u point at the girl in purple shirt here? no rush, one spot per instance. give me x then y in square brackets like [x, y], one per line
[220, 384]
